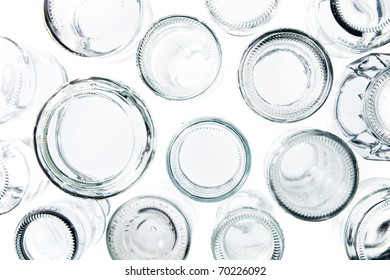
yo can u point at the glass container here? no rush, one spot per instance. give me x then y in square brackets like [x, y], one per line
[285, 75]
[312, 174]
[94, 138]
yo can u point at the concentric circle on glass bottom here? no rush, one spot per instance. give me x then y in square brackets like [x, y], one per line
[94, 138]
[208, 160]
[93, 28]
[312, 174]
[179, 57]
[241, 17]
[148, 228]
[285, 75]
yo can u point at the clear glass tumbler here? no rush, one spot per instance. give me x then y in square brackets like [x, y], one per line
[246, 229]
[208, 160]
[62, 230]
[148, 228]
[241, 17]
[350, 26]
[312, 174]
[94, 138]
[364, 227]
[362, 106]
[23, 78]
[179, 57]
[93, 28]
[21, 178]
[285, 75]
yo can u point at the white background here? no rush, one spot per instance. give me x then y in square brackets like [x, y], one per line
[309, 247]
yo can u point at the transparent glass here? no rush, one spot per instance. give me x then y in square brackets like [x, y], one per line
[92, 28]
[94, 138]
[312, 174]
[23, 78]
[63, 230]
[208, 160]
[362, 106]
[364, 225]
[21, 178]
[242, 17]
[350, 26]
[246, 230]
[285, 75]
[179, 57]
[148, 228]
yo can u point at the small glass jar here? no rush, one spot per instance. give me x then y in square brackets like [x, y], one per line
[246, 229]
[362, 106]
[20, 175]
[285, 75]
[91, 28]
[350, 26]
[23, 78]
[242, 17]
[63, 230]
[148, 228]
[364, 227]
[312, 174]
[179, 57]
[94, 138]
[208, 160]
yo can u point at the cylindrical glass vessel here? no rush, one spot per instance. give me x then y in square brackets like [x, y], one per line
[312, 174]
[242, 17]
[362, 106]
[179, 57]
[285, 75]
[63, 230]
[92, 28]
[350, 26]
[365, 223]
[20, 175]
[208, 160]
[246, 229]
[148, 228]
[23, 78]
[94, 138]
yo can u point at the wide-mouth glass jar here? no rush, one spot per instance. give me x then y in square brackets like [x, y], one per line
[62, 230]
[350, 26]
[246, 229]
[364, 227]
[285, 75]
[362, 106]
[92, 28]
[208, 160]
[179, 57]
[94, 138]
[312, 174]
[148, 228]
[242, 17]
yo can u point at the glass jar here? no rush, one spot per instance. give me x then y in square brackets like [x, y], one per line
[362, 104]
[23, 78]
[242, 17]
[63, 230]
[21, 178]
[364, 227]
[312, 174]
[179, 57]
[350, 26]
[94, 138]
[285, 75]
[208, 160]
[148, 228]
[96, 28]
[246, 229]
